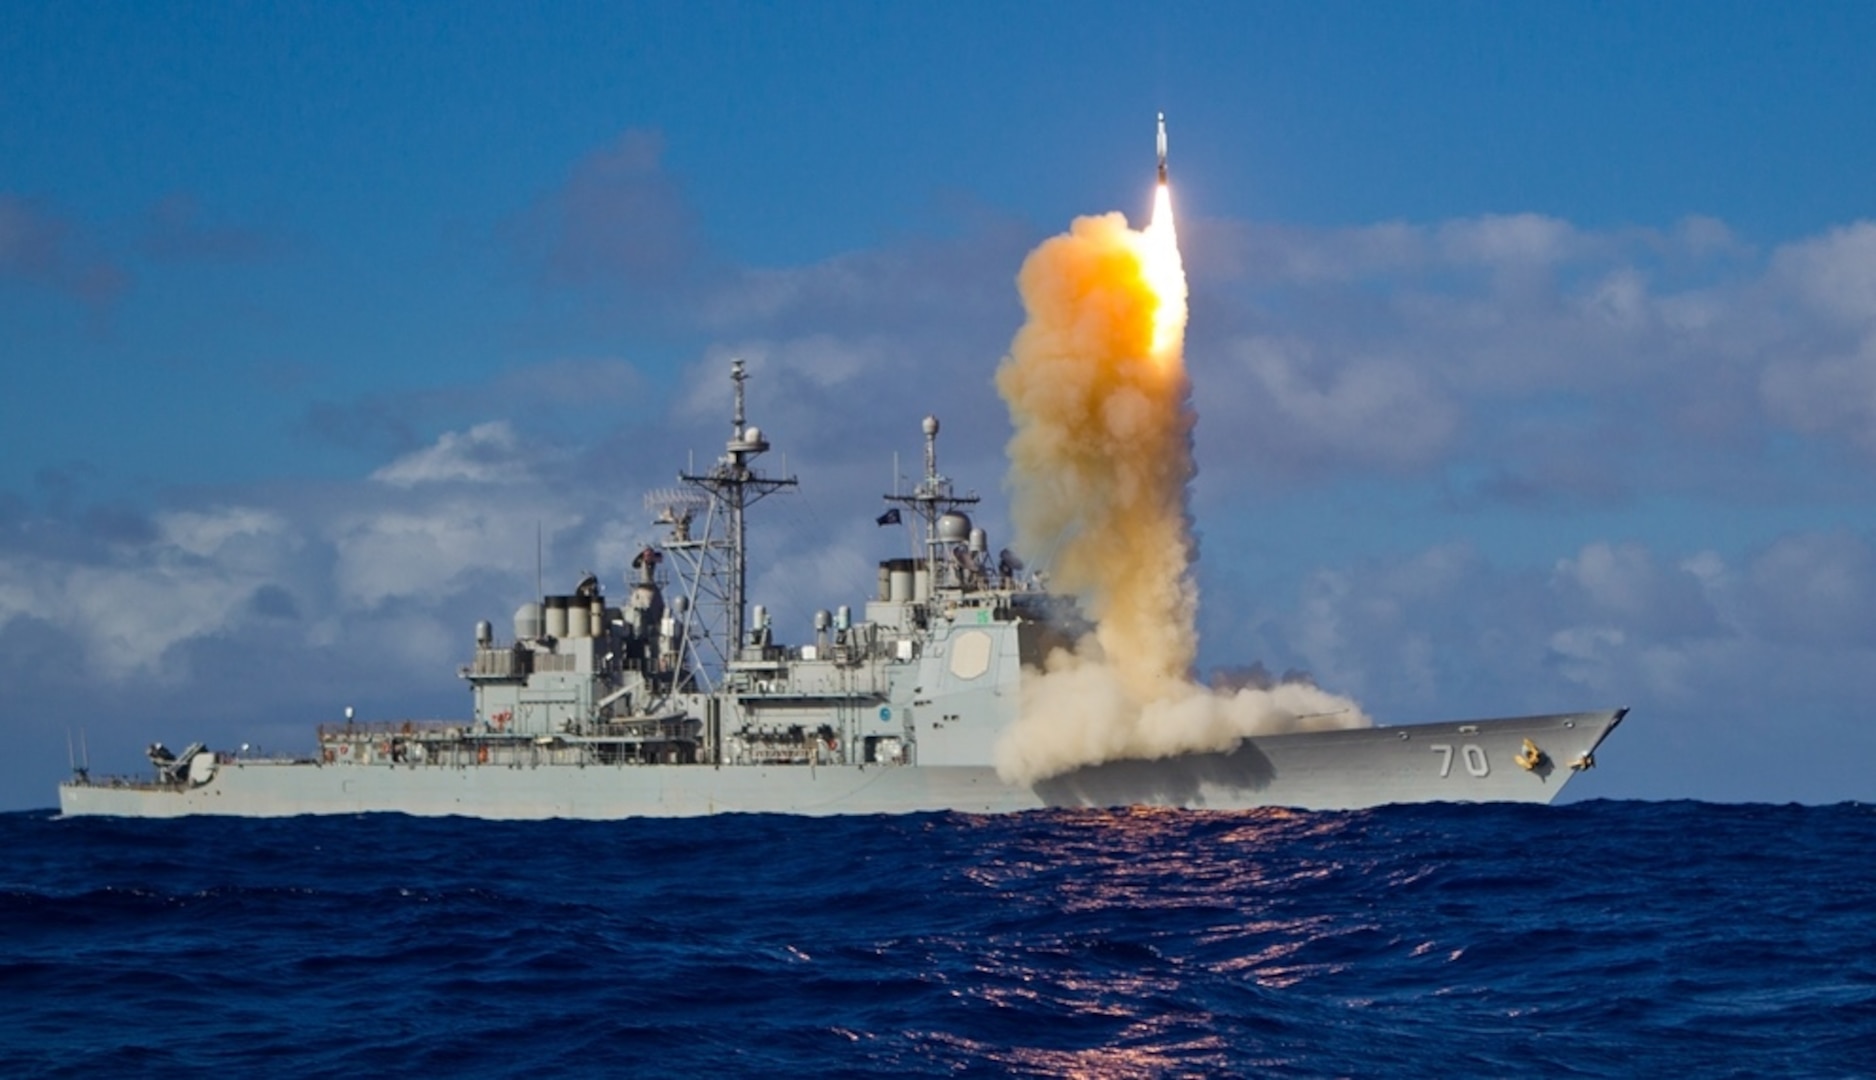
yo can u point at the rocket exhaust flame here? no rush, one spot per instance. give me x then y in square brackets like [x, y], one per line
[1099, 469]
[1164, 274]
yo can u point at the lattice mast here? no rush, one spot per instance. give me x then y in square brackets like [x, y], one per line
[733, 486]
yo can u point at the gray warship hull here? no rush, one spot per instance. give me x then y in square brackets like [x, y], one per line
[1476, 761]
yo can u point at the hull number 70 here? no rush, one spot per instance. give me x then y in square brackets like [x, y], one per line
[1471, 755]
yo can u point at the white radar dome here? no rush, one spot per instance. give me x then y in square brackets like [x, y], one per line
[954, 528]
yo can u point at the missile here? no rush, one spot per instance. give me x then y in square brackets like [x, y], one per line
[1162, 148]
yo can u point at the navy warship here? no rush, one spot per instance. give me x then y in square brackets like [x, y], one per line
[681, 700]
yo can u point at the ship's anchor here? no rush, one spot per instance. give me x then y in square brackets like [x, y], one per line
[1531, 757]
[1587, 761]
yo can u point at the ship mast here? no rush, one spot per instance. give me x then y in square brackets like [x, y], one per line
[931, 500]
[735, 486]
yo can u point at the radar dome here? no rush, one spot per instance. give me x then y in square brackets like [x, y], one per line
[528, 621]
[954, 528]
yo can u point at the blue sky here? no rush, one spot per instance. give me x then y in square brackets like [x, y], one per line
[1534, 346]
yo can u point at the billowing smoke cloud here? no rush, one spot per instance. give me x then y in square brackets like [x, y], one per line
[1099, 470]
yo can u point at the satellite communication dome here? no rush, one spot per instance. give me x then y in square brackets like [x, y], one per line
[931, 425]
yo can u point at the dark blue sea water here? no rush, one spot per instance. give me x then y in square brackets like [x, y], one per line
[1608, 939]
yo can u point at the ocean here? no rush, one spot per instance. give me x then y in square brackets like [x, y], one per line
[1600, 939]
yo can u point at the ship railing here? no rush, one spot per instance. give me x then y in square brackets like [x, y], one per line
[774, 756]
[132, 783]
[648, 730]
[369, 729]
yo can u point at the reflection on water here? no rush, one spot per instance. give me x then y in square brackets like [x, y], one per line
[1140, 932]
[1146, 1051]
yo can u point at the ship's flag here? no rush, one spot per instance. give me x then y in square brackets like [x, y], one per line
[890, 517]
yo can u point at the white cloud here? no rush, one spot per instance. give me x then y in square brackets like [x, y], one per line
[789, 369]
[1319, 632]
[1624, 581]
[1698, 236]
[1835, 273]
[131, 618]
[488, 453]
[1818, 374]
[1284, 406]
[1586, 651]
[1595, 365]
[1619, 301]
[1512, 240]
[196, 579]
[387, 554]
[1817, 589]
[210, 532]
[764, 294]
[1826, 394]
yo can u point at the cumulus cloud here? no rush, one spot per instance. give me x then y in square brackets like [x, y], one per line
[1702, 644]
[541, 399]
[389, 554]
[1814, 589]
[1822, 377]
[788, 369]
[1282, 405]
[1267, 253]
[487, 453]
[1624, 582]
[131, 608]
[213, 533]
[1508, 240]
[1835, 273]
[851, 351]
[1549, 362]
[912, 287]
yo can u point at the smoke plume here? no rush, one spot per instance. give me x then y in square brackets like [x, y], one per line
[1099, 470]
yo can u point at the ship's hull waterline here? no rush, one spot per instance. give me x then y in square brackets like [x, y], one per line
[1475, 761]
